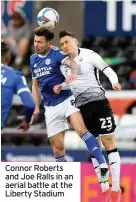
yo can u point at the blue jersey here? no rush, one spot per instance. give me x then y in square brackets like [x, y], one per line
[14, 82]
[46, 69]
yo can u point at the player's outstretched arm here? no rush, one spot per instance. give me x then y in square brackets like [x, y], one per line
[37, 98]
[112, 76]
[99, 63]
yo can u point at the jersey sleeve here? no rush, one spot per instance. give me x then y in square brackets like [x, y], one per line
[23, 91]
[20, 84]
[98, 62]
[60, 56]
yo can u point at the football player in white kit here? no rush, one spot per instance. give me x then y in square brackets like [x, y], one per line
[94, 106]
[46, 73]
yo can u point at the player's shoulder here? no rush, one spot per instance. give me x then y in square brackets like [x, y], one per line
[86, 50]
[89, 54]
[33, 56]
[57, 50]
[8, 68]
[11, 72]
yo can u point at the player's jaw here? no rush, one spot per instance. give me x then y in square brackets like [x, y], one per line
[41, 50]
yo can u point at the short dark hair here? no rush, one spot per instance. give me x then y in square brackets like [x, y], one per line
[43, 31]
[64, 33]
[5, 51]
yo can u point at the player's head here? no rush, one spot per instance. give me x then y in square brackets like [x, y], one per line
[5, 53]
[68, 42]
[42, 40]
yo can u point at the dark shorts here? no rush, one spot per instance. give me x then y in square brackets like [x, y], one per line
[98, 117]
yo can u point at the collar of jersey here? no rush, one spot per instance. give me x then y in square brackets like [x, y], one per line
[42, 56]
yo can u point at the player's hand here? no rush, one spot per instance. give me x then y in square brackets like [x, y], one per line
[57, 89]
[23, 126]
[70, 78]
[35, 114]
[116, 86]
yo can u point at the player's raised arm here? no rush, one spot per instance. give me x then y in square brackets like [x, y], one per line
[23, 91]
[99, 63]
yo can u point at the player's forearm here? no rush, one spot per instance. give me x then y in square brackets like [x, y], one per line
[29, 104]
[73, 66]
[36, 95]
[111, 75]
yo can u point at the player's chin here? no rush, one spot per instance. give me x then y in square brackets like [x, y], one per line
[37, 51]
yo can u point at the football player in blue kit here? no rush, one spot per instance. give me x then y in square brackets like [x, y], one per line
[14, 82]
[46, 73]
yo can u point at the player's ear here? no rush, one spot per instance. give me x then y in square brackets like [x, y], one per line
[8, 59]
[50, 43]
[76, 42]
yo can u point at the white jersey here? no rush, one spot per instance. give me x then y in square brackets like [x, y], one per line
[86, 87]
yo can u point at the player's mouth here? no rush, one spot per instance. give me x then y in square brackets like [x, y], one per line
[37, 49]
[66, 50]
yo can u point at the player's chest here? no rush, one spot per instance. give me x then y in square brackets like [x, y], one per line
[45, 67]
[85, 66]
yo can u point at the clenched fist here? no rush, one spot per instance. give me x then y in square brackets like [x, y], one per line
[57, 89]
[116, 86]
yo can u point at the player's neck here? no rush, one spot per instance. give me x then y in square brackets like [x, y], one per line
[45, 53]
[75, 53]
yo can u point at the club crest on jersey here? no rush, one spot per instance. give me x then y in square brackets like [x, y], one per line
[47, 61]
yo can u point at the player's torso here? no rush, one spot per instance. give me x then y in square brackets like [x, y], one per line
[47, 72]
[87, 88]
[8, 77]
[88, 74]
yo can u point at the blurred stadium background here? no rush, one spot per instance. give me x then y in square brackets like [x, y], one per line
[107, 27]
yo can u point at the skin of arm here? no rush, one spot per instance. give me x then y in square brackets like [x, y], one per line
[74, 69]
[37, 98]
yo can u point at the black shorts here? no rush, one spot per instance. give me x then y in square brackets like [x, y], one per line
[98, 117]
